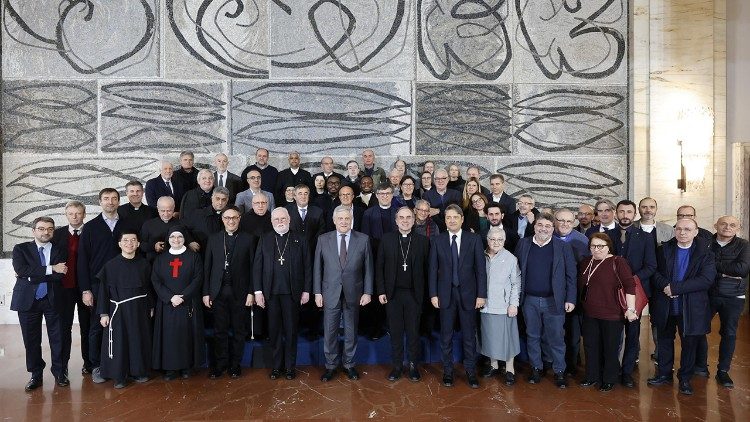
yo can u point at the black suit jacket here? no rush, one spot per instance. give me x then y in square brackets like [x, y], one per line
[241, 267]
[202, 224]
[156, 188]
[287, 178]
[233, 183]
[313, 226]
[29, 273]
[390, 262]
[297, 257]
[511, 224]
[639, 250]
[472, 269]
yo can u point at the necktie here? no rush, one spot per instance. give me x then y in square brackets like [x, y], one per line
[454, 260]
[303, 213]
[622, 236]
[41, 290]
[169, 186]
[75, 232]
[221, 180]
[342, 251]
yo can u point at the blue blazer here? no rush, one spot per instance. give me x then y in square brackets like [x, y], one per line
[639, 250]
[29, 273]
[472, 269]
[156, 188]
[564, 271]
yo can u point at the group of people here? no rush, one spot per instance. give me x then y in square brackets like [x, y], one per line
[406, 253]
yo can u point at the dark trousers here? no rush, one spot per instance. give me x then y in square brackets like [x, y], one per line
[729, 310]
[31, 331]
[543, 317]
[283, 318]
[467, 319]
[229, 312]
[331, 323]
[601, 339]
[573, 328]
[632, 345]
[72, 298]
[666, 349]
[403, 317]
[95, 331]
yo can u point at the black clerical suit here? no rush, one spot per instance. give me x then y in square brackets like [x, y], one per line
[193, 201]
[228, 278]
[400, 271]
[287, 178]
[284, 265]
[156, 230]
[32, 303]
[202, 225]
[136, 217]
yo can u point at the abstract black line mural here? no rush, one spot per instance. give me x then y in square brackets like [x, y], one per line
[321, 117]
[566, 182]
[582, 39]
[52, 116]
[163, 117]
[340, 37]
[553, 119]
[229, 37]
[84, 37]
[464, 39]
[463, 119]
[42, 187]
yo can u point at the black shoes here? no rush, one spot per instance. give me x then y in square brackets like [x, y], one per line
[628, 381]
[215, 373]
[660, 380]
[290, 374]
[235, 372]
[560, 380]
[472, 380]
[86, 370]
[120, 384]
[701, 372]
[395, 374]
[448, 380]
[587, 383]
[536, 376]
[686, 388]
[328, 375]
[352, 373]
[185, 373]
[170, 376]
[33, 384]
[606, 387]
[62, 381]
[510, 378]
[275, 374]
[490, 372]
[414, 372]
[722, 377]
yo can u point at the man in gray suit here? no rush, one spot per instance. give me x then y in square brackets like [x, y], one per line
[342, 281]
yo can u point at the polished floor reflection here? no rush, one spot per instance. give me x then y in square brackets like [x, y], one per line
[254, 396]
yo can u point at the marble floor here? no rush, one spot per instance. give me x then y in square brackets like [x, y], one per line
[254, 396]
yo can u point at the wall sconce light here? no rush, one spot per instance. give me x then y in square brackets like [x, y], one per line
[695, 131]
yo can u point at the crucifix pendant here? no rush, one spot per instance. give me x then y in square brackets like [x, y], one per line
[226, 264]
[281, 260]
[405, 265]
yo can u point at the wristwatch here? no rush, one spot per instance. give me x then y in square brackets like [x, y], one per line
[630, 310]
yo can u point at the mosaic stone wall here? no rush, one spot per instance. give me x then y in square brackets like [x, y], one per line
[96, 92]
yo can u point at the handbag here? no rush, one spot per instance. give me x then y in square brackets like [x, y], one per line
[641, 300]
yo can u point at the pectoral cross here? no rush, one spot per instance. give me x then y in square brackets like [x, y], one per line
[281, 260]
[175, 264]
[405, 265]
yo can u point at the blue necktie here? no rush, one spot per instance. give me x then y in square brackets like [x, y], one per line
[41, 290]
[454, 260]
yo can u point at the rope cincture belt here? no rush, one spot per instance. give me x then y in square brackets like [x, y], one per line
[112, 318]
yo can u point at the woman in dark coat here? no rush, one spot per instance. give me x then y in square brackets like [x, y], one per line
[178, 326]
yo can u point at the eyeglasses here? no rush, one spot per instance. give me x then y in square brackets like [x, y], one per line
[384, 193]
[495, 240]
[585, 213]
[260, 203]
[407, 184]
[597, 247]
[228, 218]
[45, 229]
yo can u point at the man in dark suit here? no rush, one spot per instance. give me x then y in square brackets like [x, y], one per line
[98, 245]
[283, 262]
[497, 194]
[187, 173]
[439, 197]
[548, 291]
[346, 198]
[40, 266]
[206, 222]
[638, 248]
[292, 176]
[326, 201]
[200, 197]
[326, 169]
[365, 198]
[68, 237]
[605, 211]
[227, 290]
[521, 221]
[306, 219]
[400, 272]
[135, 211]
[342, 282]
[164, 185]
[268, 172]
[457, 285]
[496, 215]
[225, 178]
[686, 270]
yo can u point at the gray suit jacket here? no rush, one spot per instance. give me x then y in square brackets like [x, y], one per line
[355, 278]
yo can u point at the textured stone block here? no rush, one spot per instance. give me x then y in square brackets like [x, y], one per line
[94, 38]
[49, 116]
[321, 117]
[346, 39]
